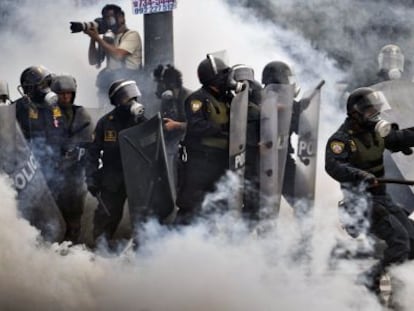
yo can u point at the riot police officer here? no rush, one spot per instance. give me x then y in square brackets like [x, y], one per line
[172, 93]
[390, 63]
[354, 157]
[205, 153]
[41, 119]
[104, 172]
[70, 182]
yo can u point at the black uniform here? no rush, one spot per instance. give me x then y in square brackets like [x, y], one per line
[104, 173]
[43, 128]
[71, 167]
[350, 155]
[206, 143]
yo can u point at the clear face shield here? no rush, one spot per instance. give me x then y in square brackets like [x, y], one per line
[221, 74]
[371, 113]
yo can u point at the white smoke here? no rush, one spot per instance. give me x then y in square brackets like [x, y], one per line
[218, 265]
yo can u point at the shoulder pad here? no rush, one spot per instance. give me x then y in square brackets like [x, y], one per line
[195, 105]
[337, 146]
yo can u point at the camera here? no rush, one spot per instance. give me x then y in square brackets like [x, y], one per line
[99, 24]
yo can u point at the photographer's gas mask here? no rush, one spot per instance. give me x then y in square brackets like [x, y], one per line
[391, 61]
[370, 113]
[125, 95]
[111, 23]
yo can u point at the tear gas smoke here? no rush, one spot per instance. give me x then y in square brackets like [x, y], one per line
[215, 265]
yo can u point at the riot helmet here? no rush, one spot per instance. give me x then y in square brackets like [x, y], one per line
[212, 71]
[172, 77]
[125, 95]
[35, 82]
[168, 78]
[278, 72]
[4, 93]
[391, 61]
[64, 84]
[364, 106]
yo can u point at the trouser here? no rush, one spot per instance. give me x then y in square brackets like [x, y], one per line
[71, 202]
[108, 217]
[391, 224]
[198, 175]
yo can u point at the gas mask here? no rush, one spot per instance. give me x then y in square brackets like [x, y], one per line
[379, 125]
[133, 108]
[394, 74]
[51, 98]
[112, 24]
[45, 95]
[136, 109]
[365, 105]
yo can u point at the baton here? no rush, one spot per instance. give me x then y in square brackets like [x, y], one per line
[395, 181]
[317, 88]
[101, 202]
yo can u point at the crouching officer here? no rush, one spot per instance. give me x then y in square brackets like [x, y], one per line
[205, 153]
[354, 157]
[104, 172]
[70, 182]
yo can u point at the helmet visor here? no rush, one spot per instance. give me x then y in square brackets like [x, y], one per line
[375, 104]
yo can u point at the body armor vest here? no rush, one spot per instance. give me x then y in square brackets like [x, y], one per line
[368, 153]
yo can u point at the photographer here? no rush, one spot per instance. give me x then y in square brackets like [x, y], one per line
[121, 46]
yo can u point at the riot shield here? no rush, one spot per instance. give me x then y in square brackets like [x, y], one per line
[149, 186]
[276, 112]
[306, 151]
[399, 94]
[35, 201]
[7, 138]
[237, 142]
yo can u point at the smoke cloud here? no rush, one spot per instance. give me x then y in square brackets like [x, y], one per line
[214, 265]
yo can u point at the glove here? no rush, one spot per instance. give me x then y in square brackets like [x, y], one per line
[94, 189]
[367, 177]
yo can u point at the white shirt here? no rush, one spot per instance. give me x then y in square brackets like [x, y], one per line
[129, 41]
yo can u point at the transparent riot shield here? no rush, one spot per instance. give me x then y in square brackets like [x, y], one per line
[35, 201]
[399, 94]
[276, 112]
[7, 138]
[149, 186]
[306, 151]
[237, 142]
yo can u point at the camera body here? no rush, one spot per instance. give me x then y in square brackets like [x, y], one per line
[99, 24]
